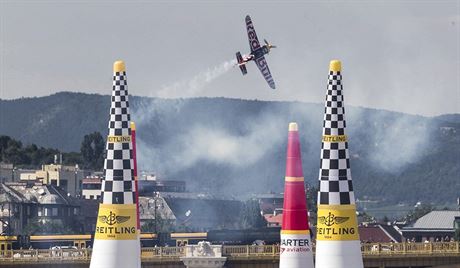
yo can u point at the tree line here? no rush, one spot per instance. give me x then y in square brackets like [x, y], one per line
[91, 155]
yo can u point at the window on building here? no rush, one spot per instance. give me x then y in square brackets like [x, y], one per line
[63, 185]
[40, 212]
[54, 212]
[75, 211]
[91, 186]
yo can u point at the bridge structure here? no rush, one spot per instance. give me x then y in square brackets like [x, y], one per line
[375, 255]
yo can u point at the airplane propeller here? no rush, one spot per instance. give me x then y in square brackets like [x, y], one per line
[270, 46]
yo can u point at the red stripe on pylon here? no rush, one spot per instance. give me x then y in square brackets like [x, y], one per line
[133, 140]
[295, 213]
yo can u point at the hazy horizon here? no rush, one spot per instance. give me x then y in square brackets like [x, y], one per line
[225, 97]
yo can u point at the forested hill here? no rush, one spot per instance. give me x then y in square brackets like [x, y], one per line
[239, 146]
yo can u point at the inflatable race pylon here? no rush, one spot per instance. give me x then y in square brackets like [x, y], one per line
[116, 240]
[337, 238]
[296, 247]
[136, 186]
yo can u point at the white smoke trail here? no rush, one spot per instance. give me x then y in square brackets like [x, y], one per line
[219, 146]
[191, 87]
[147, 109]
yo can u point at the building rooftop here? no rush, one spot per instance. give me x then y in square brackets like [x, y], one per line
[374, 234]
[369, 234]
[33, 193]
[8, 195]
[392, 231]
[150, 207]
[443, 219]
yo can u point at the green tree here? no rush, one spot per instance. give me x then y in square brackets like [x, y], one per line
[32, 156]
[31, 152]
[3, 146]
[46, 155]
[71, 158]
[92, 151]
[251, 216]
[13, 152]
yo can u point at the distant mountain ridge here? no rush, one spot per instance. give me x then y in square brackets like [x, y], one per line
[450, 118]
[239, 146]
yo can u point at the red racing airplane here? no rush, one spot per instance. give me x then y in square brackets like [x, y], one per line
[256, 55]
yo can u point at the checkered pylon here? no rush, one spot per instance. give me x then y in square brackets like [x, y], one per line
[335, 185]
[118, 185]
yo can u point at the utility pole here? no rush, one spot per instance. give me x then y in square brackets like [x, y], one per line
[155, 198]
[155, 211]
[9, 219]
[457, 223]
[75, 180]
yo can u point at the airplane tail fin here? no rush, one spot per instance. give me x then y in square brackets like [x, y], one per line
[241, 64]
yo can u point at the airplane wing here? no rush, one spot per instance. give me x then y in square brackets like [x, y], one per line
[253, 41]
[263, 67]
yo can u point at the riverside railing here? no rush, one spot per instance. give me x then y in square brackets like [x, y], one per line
[230, 251]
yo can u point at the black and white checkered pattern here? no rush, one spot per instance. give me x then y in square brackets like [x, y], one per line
[118, 185]
[335, 185]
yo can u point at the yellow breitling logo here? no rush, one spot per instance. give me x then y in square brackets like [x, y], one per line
[331, 219]
[112, 219]
[116, 222]
[337, 223]
[335, 138]
[117, 139]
